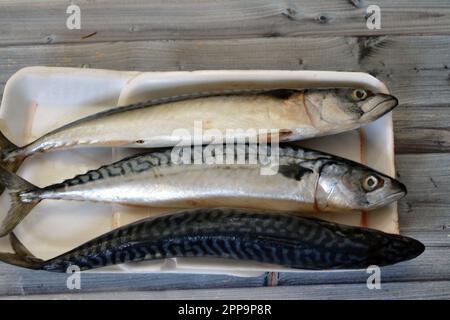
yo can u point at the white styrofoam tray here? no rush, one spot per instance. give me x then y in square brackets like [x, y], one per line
[39, 99]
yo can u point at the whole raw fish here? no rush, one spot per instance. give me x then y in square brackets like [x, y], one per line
[293, 114]
[303, 180]
[278, 239]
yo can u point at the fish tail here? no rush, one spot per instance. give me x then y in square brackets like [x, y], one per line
[20, 207]
[21, 257]
[5, 143]
[6, 149]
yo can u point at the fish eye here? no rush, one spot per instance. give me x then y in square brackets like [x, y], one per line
[370, 183]
[359, 94]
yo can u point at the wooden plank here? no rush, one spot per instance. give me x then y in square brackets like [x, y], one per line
[389, 290]
[421, 129]
[418, 76]
[425, 217]
[44, 22]
[19, 281]
[423, 213]
[426, 176]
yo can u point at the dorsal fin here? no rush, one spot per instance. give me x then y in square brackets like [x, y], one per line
[283, 94]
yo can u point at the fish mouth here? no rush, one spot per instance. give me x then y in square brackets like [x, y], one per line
[378, 106]
[400, 192]
[387, 200]
[401, 187]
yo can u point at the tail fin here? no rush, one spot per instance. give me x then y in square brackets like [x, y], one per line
[5, 143]
[19, 208]
[7, 147]
[22, 257]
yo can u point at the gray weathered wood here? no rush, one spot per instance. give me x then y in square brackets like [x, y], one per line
[427, 176]
[389, 290]
[424, 212]
[413, 72]
[45, 21]
[425, 128]
[15, 281]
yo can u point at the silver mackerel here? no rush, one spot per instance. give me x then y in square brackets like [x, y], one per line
[305, 180]
[294, 114]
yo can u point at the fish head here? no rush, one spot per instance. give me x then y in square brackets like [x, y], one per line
[379, 248]
[394, 248]
[344, 185]
[341, 109]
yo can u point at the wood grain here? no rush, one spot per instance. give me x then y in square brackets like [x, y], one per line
[391, 58]
[421, 129]
[427, 176]
[16, 281]
[417, 75]
[44, 22]
[424, 212]
[389, 290]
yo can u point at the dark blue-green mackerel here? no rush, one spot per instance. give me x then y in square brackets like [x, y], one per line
[273, 238]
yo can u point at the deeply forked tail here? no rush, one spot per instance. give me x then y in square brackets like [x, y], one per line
[21, 256]
[6, 148]
[20, 207]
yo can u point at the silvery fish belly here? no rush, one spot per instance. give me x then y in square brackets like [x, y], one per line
[284, 178]
[165, 122]
[278, 239]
